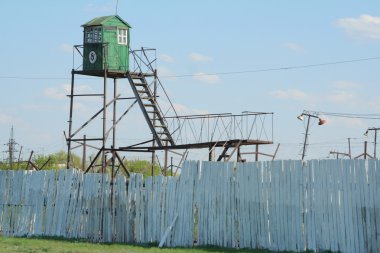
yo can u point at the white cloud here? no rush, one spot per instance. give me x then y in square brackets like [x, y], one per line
[206, 78]
[348, 122]
[294, 47]
[61, 92]
[166, 58]
[373, 105]
[32, 107]
[184, 110]
[67, 88]
[164, 72]
[343, 97]
[66, 48]
[78, 107]
[6, 119]
[365, 26]
[341, 84]
[105, 8]
[84, 88]
[293, 94]
[197, 57]
[181, 109]
[54, 93]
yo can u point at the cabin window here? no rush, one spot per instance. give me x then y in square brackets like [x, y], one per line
[93, 35]
[122, 38]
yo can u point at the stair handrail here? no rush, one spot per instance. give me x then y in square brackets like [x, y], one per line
[139, 60]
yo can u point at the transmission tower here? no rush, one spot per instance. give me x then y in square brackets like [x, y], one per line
[11, 149]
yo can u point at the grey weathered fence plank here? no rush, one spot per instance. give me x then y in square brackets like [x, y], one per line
[298, 200]
[376, 182]
[357, 206]
[311, 243]
[328, 231]
[334, 205]
[264, 201]
[317, 204]
[343, 203]
[276, 222]
[371, 174]
[352, 206]
[334, 183]
[306, 205]
[280, 205]
[348, 206]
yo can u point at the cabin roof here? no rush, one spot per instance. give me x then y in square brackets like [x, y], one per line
[99, 21]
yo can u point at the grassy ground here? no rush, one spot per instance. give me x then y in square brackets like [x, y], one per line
[34, 245]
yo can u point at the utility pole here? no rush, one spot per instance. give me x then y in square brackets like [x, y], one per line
[338, 154]
[301, 117]
[305, 141]
[375, 138]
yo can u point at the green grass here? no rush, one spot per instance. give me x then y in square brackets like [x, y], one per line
[57, 245]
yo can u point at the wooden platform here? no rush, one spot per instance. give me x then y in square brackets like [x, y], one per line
[196, 145]
[110, 73]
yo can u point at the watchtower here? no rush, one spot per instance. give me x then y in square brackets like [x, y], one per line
[106, 54]
[106, 44]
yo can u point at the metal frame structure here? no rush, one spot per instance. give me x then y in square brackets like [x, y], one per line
[375, 129]
[170, 132]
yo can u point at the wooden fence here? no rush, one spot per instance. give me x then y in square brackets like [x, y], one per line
[279, 205]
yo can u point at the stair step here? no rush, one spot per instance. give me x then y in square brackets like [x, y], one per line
[165, 137]
[147, 98]
[149, 105]
[142, 91]
[140, 84]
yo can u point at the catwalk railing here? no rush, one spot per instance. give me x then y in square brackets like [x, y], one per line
[279, 205]
[221, 127]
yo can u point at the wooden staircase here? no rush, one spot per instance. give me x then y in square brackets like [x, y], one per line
[150, 109]
[226, 157]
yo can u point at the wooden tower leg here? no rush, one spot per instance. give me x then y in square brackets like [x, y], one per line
[104, 161]
[257, 153]
[210, 153]
[68, 138]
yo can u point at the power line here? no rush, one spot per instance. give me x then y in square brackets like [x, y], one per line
[349, 115]
[277, 69]
[219, 73]
[37, 78]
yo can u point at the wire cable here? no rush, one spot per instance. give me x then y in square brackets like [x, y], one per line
[276, 69]
[220, 73]
[347, 115]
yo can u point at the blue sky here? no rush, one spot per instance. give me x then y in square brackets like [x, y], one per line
[209, 36]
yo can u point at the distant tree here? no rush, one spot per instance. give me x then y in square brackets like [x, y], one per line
[16, 166]
[58, 161]
[4, 166]
[142, 166]
[54, 161]
[41, 160]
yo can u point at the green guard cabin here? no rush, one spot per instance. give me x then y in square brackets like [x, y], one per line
[106, 44]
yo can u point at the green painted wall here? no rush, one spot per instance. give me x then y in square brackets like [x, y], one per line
[113, 54]
[87, 58]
